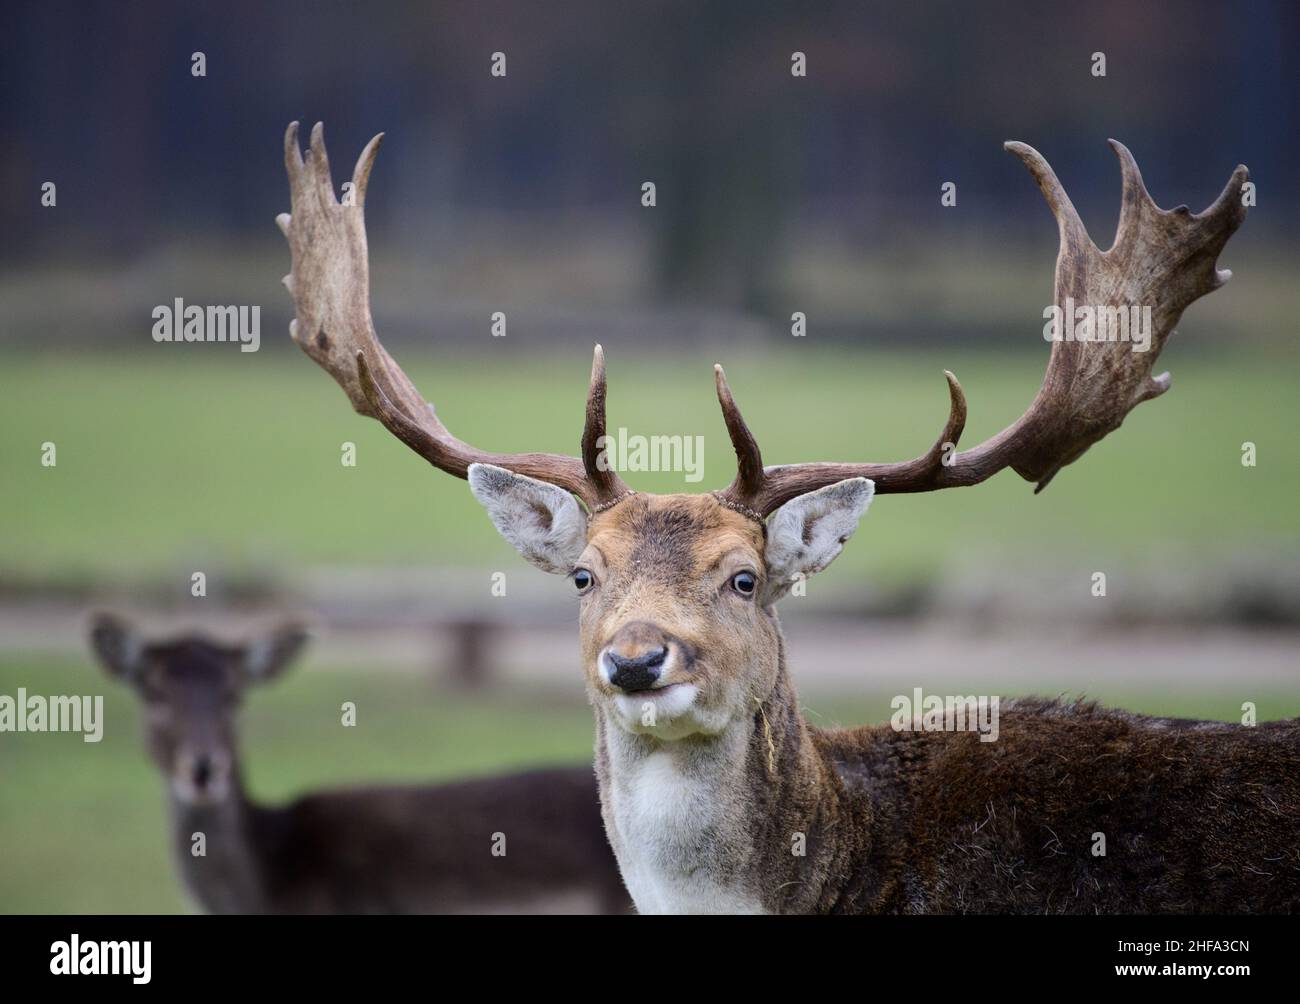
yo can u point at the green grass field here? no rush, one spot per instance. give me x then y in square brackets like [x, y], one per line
[83, 826]
[174, 460]
[235, 459]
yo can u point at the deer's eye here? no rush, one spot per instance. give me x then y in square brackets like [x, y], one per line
[583, 579]
[744, 583]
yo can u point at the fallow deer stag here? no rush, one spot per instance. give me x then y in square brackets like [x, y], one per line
[380, 849]
[711, 782]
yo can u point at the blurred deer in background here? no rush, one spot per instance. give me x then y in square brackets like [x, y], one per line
[717, 795]
[377, 849]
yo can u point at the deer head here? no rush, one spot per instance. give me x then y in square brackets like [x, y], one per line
[678, 630]
[191, 688]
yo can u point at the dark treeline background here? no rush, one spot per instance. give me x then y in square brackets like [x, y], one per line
[601, 95]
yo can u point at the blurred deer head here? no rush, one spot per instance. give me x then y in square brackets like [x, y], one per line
[190, 687]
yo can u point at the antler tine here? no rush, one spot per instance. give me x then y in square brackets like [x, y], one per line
[330, 285]
[945, 446]
[1161, 262]
[748, 483]
[292, 152]
[361, 173]
[1229, 207]
[594, 460]
[1135, 200]
[942, 454]
[318, 162]
[1074, 236]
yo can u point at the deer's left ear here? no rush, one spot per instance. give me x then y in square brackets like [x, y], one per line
[808, 532]
[266, 657]
[542, 522]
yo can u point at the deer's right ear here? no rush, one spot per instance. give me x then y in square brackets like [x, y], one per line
[543, 523]
[117, 644]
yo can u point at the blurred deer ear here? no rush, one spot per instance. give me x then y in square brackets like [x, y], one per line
[117, 644]
[542, 522]
[808, 532]
[267, 657]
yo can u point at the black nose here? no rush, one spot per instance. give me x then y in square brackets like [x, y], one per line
[637, 672]
[202, 772]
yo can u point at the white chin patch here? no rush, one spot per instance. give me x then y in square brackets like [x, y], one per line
[188, 794]
[667, 714]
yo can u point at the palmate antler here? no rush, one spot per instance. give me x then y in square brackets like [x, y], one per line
[330, 283]
[1162, 259]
